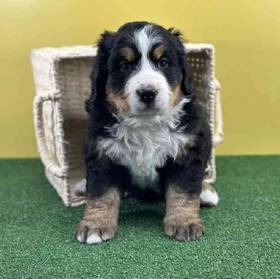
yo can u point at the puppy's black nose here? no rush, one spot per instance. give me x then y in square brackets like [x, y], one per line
[147, 95]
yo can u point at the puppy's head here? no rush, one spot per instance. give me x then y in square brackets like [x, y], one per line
[141, 70]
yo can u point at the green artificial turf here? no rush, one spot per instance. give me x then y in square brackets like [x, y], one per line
[242, 238]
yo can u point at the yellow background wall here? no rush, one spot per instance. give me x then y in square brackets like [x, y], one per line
[246, 35]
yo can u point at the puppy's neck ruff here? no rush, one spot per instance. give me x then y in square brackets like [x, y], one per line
[143, 144]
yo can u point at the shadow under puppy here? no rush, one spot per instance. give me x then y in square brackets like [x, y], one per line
[147, 134]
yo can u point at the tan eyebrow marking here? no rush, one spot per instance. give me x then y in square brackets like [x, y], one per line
[127, 53]
[158, 51]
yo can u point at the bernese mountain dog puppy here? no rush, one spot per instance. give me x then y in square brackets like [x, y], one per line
[147, 134]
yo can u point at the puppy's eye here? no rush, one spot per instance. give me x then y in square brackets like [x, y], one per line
[163, 63]
[124, 66]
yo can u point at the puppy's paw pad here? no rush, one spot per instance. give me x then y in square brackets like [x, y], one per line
[89, 234]
[184, 232]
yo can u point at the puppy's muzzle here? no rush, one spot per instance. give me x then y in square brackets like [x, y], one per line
[147, 95]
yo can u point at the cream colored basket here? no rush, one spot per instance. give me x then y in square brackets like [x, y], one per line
[62, 81]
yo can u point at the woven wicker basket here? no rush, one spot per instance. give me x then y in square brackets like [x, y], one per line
[62, 81]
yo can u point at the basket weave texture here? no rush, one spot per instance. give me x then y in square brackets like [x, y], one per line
[62, 83]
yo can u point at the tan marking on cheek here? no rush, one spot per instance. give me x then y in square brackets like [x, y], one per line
[182, 219]
[118, 102]
[127, 53]
[158, 52]
[176, 95]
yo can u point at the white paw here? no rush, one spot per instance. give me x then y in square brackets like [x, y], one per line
[80, 187]
[93, 238]
[79, 238]
[89, 233]
[209, 197]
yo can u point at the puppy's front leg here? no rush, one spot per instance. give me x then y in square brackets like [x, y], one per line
[182, 220]
[184, 183]
[100, 219]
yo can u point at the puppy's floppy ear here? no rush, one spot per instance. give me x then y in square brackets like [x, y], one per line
[186, 83]
[99, 73]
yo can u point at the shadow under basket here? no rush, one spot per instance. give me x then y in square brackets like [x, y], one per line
[62, 82]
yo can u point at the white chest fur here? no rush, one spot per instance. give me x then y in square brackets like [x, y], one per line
[142, 146]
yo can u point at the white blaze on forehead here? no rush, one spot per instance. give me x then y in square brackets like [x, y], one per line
[147, 74]
[144, 40]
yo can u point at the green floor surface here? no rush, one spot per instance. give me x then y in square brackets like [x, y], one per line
[242, 238]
